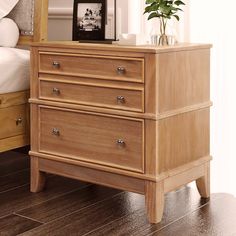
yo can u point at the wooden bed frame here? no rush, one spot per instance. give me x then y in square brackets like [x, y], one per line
[14, 108]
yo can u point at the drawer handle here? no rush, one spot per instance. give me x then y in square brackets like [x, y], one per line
[120, 143]
[120, 70]
[56, 132]
[120, 99]
[19, 121]
[56, 64]
[56, 91]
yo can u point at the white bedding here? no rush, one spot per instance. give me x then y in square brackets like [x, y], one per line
[14, 70]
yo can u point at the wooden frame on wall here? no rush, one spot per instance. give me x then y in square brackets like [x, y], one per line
[40, 24]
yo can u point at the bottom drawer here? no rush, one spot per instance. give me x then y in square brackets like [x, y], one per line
[100, 139]
[13, 121]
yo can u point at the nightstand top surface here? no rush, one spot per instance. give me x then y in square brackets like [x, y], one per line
[128, 48]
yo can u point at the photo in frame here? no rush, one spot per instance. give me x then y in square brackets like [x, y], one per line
[89, 19]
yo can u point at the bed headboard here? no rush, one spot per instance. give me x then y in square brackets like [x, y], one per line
[31, 17]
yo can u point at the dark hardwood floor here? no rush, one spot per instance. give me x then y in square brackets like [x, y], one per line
[69, 207]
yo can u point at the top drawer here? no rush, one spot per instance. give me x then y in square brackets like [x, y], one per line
[112, 68]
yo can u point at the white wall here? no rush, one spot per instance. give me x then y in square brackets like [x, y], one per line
[211, 23]
[60, 20]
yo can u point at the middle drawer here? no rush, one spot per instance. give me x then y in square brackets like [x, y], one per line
[117, 98]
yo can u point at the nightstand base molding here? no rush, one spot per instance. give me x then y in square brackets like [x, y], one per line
[153, 190]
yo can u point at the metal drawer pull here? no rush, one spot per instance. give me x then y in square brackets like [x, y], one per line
[56, 91]
[56, 64]
[120, 70]
[56, 132]
[19, 121]
[120, 99]
[120, 143]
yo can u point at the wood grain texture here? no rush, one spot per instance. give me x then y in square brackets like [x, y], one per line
[10, 136]
[93, 176]
[79, 65]
[154, 196]
[104, 212]
[180, 179]
[40, 30]
[166, 145]
[177, 205]
[151, 83]
[14, 225]
[14, 142]
[9, 117]
[13, 99]
[66, 204]
[20, 198]
[106, 48]
[93, 95]
[151, 141]
[95, 210]
[14, 180]
[77, 136]
[12, 162]
[183, 139]
[215, 218]
[186, 81]
[14, 121]
[106, 111]
[203, 183]
[38, 178]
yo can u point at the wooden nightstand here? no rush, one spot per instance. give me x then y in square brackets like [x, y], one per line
[133, 118]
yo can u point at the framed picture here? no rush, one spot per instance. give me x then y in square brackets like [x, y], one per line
[89, 19]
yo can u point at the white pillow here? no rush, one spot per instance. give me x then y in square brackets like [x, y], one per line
[9, 33]
[6, 6]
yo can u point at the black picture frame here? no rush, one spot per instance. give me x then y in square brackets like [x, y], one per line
[89, 20]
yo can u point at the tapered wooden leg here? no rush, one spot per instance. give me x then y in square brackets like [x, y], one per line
[203, 184]
[154, 201]
[38, 178]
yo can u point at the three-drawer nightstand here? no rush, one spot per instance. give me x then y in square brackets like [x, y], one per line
[132, 118]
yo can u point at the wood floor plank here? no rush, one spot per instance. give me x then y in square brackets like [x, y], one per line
[69, 203]
[11, 162]
[177, 205]
[12, 225]
[70, 207]
[21, 198]
[17, 179]
[217, 218]
[92, 217]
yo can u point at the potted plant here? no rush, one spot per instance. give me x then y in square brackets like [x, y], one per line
[164, 10]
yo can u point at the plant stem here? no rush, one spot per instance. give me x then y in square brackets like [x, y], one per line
[165, 23]
[162, 25]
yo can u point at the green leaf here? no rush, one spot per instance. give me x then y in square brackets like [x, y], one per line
[165, 9]
[153, 15]
[178, 3]
[177, 17]
[150, 1]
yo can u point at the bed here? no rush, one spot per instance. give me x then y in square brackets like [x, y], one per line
[31, 18]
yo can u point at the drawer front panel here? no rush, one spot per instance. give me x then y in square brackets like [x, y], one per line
[124, 99]
[14, 120]
[112, 68]
[105, 140]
